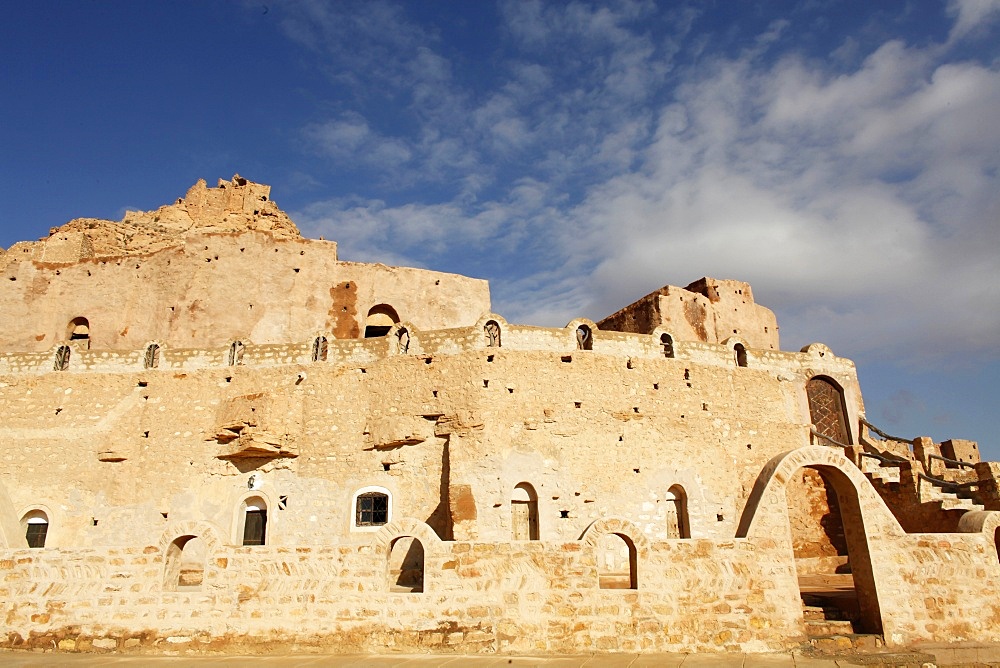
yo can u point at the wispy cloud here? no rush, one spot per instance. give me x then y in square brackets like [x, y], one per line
[607, 153]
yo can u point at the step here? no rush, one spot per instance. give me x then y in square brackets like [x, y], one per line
[847, 642]
[960, 504]
[822, 613]
[828, 627]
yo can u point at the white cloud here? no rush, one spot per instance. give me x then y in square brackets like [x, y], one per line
[861, 202]
[971, 16]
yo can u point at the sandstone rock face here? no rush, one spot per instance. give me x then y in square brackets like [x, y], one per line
[218, 265]
[232, 207]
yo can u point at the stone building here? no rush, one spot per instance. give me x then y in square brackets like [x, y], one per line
[218, 434]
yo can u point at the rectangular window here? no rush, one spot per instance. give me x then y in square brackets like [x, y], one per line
[36, 534]
[255, 527]
[373, 510]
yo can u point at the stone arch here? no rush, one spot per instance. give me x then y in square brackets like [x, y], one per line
[817, 350]
[35, 523]
[379, 320]
[739, 349]
[633, 540]
[402, 339]
[986, 522]
[180, 571]
[493, 328]
[208, 531]
[262, 492]
[584, 332]
[766, 515]
[408, 526]
[396, 542]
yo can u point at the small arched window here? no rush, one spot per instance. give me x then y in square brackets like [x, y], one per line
[741, 354]
[320, 349]
[406, 565]
[380, 320]
[402, 341]
[151, 359]
[36, 528]
[492, 331]
[667, 342]
[584, 338]
[79, 330]
[678, 525]
[616, 562]
[254, 521]
[524, 513]
[236, 350]
[61, 361]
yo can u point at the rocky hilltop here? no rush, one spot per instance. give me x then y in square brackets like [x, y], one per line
[233, 206]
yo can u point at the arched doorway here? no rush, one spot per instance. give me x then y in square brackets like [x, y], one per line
[830, 547]
[616, 562]
[406, 565]
[826, 409]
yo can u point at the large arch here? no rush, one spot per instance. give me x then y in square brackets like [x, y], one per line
[632, 538]
[766, 516]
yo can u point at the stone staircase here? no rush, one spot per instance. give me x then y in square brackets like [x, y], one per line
[829, 627]
[886, 479]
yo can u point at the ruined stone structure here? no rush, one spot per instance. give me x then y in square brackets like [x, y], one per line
[217, 434]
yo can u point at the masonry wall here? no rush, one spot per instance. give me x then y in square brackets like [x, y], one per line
[448, 428]
[201, 295]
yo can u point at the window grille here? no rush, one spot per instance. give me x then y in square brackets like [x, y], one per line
[372, 509]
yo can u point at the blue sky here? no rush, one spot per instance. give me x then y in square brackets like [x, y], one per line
[842, 157]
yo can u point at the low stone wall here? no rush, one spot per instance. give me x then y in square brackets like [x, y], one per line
[520, 597]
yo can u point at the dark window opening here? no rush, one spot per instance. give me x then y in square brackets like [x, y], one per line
[255, 526]
[36, 532]
[584, 338]
[372, 509]
[320, 349]
[380, 320]
[741, 354]
[61, 362]
[667, 342]
[151, 359]
[492, 331]
[236, 351]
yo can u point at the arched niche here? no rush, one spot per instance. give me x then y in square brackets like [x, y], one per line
[405, 565]
[78, 329]
[678, 517]
[380, 320]
[524, 512]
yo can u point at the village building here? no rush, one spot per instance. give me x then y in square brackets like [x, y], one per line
[218, 435]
